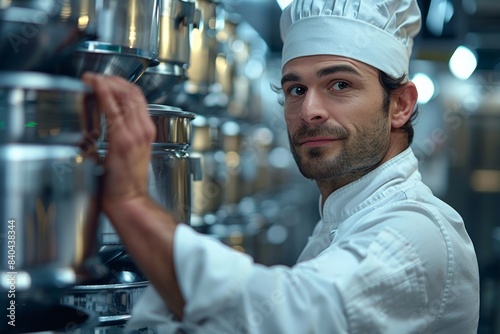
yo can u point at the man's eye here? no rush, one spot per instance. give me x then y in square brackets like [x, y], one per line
[296, 91]
[340, 85]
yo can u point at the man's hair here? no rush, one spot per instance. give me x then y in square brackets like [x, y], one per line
[390, 84]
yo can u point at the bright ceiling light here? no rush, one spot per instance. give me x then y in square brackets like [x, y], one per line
[283, 3]
[462, 63]
[425, 87]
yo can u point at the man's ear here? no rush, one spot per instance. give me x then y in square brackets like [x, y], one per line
[404, 100]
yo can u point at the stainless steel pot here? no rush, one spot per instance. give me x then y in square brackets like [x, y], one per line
[49, 206]
[178, 17]
[38, 35]
[208, 192]
[172, 170]
[38, 108]
[127, 39]
[201, 71]
[176, 22]
[49, 180]
[158, 81]
[112, 303]
[173, 127]
[112, 297]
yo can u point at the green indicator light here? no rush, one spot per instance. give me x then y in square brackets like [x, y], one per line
[31, 124]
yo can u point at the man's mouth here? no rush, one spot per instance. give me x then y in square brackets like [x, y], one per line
[316, 141]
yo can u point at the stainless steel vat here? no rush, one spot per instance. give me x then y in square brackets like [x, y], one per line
[201, 71]
[48, 206]
[208, 192]
[173, 127]
[39, 109]
[111, 298]
[172, 169]
[158, 81]
[49, 180]
[112, 302]
[126, 43]
[177, 19]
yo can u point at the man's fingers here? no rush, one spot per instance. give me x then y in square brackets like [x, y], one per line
[124, 106]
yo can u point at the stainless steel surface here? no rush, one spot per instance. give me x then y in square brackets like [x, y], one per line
[127, 39]
[173, 126]
[129, 23]
[111, 297]
[177, 19]
[208, 191]
[38, 35]
[171, 169]
[171, 173]
[51, 194]
[176, 22]
[157, 82]
[112, 303]
[109, 59]
[170, 182]
[109, 301]
[204, 49]
[42, 109]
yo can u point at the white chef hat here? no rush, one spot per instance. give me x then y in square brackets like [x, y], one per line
[376, 32]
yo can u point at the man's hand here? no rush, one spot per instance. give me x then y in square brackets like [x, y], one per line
[130, 133]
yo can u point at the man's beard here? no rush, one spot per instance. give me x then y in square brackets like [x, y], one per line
[355, 155]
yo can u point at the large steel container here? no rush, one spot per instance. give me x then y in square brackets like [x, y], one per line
[50, 181]
[126, 42]
[177, 20]
[171, 169]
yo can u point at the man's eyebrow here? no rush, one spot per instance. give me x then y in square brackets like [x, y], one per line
[322, 73]
[337, 69]
[289, 77]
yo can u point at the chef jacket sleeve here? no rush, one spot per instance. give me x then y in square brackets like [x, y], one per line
[356, 289]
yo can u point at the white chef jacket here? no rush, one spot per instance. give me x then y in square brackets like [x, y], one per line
[386, 257]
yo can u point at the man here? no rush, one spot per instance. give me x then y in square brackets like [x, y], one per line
[386, 257]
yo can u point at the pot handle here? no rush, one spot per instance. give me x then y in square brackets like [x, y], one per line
[197, 19]
[185, 12]
[195, 167]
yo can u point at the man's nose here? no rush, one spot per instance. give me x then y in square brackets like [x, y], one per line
[314, 109]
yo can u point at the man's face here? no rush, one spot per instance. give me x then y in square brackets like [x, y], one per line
[334, 109]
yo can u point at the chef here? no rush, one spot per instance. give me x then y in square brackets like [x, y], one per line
[387, 256]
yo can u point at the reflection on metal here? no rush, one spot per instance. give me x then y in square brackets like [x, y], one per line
[44, 221]
[201, 72]
[53, 199]
[39, 108]
[171, 168]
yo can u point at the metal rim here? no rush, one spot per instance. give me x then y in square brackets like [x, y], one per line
[164, 110]
[167, 68]
[107, 48]
[41, 81]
